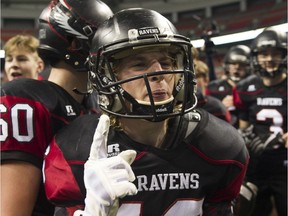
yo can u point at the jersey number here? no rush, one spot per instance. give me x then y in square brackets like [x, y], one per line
[27, 110]
[276, 117]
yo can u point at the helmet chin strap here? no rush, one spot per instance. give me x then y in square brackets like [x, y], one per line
[147, 103]
[79, 92]
[264, 73]
[156, 109]
[150, 110]
[234, 78]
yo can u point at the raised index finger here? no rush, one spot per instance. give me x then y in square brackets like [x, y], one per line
[98, 148]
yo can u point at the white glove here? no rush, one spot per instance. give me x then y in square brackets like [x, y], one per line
[106, 179]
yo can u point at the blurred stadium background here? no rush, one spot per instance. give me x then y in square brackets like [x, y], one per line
[196, 19]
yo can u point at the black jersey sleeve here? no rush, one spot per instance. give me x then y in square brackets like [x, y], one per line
[219, 89]
[213, 105]
[223, 152]
[244, 94]
[216, 107]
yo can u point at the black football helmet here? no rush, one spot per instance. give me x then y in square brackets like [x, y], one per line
[237, 54]
[65, 28]
[266, 39]
[126, 33]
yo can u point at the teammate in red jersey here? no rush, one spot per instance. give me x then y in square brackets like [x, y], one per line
[262, 103]
[32, 111]
[237, 67]
[188, 162]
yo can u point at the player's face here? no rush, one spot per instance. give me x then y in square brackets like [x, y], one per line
[22, 64]
[237, 69]
[139, 64]
[270, 58]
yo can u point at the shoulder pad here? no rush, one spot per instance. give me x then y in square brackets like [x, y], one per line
[193, 116]
[250, 80]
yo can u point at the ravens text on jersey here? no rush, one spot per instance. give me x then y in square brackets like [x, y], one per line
[184, 179]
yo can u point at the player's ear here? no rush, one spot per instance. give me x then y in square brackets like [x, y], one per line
[41, 65]
[75, 44]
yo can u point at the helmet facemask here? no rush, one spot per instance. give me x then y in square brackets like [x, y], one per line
[238, 74]
[267, 40]
[114, 99]
[280, 65]
[237, 55]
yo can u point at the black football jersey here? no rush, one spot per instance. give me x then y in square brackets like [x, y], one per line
[266, 109]
[198, 172]
[213, 105]
[32, 111]
[219, 88]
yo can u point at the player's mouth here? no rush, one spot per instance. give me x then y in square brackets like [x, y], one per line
[159, 95]
[16, 75]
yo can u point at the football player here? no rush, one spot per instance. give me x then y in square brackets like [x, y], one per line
[209, 103]
[186, 161]
[237, 67]
[261, 100]
[21, 58]
[32, 111]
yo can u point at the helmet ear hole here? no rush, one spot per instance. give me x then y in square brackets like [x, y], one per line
[75, 44]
